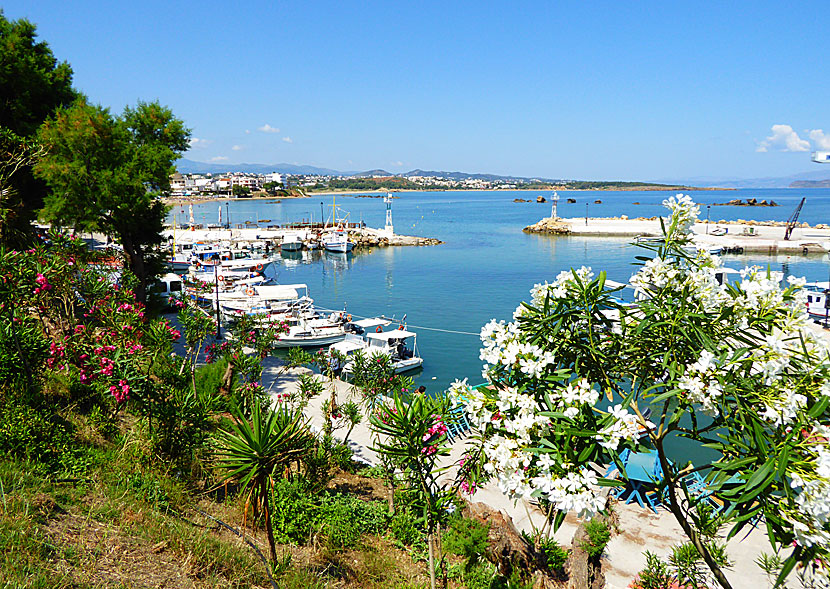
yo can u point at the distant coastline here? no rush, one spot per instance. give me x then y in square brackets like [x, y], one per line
[644, 187]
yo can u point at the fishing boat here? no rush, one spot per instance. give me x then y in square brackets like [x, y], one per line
[356, 340]
[818, 305]
[291, 242]
[267, 299]
[399, 345]
[314, 333]
[337, 240]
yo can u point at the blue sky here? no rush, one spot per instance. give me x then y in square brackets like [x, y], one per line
[588, 90]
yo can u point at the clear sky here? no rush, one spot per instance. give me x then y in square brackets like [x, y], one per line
[588, 90]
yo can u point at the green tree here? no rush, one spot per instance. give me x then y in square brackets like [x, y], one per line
[255, 452]
[413, 436]
[105, 174]
[17, 155]
[32, 85]
[732, 367]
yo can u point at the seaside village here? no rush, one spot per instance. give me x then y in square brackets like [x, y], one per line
[175, 412]
[241, 184]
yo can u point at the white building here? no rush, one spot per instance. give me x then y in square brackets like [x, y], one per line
[273, 177]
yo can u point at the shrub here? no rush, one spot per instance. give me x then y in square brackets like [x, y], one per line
[345, 518]
[555, 555]
[466, 537]
[404, 528]
[482, 575]
[292, 516]
[209, 377]
[29, 434]
[599, 535]
[654, 576]
[342, 519]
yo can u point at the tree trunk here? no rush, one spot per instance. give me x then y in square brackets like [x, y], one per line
[390, 485]
[431, 561]
[266, 505]
[681, 518]
[227, 380]
[505, 546]
[137, 266]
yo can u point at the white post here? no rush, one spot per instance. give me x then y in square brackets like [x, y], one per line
[390, 229]
[555, 201]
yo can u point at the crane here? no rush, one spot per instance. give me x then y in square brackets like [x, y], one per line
[793, 220]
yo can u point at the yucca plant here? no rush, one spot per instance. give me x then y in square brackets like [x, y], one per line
[255, 452]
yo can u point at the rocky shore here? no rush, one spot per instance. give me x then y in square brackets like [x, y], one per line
[366, 240]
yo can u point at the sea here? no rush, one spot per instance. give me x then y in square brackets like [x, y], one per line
[486, 265]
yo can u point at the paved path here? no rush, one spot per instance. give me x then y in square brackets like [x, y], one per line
[639, 529]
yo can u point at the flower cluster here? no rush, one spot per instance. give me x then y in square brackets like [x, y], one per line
[700, 383]
[433, 434]
[684, 214]
[213, 352]
[625, 426]
[567, 283]
[121, 392]
[42, 284]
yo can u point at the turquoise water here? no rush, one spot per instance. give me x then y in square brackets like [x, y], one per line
[486, 265]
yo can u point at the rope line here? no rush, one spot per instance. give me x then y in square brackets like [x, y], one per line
[399, 321]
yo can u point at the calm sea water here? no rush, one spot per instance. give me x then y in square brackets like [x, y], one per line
[486, 265]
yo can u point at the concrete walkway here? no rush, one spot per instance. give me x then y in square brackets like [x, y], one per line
[639, 529]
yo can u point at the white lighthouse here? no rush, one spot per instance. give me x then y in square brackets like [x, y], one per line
[555, 201]
[389, 230]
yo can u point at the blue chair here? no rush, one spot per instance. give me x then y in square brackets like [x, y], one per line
[642, 470]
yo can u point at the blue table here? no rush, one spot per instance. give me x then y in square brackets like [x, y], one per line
[643, 470]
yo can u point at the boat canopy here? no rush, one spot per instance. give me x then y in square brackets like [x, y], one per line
[350, 344]
[614, 284]
[390, 335]
[279, 291]
[371, 322]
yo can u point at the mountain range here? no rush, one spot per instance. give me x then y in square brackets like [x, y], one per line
[812, 179]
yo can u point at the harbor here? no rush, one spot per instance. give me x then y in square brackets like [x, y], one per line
[487, 265]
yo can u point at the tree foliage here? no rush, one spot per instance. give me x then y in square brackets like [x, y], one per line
[105, 172]
[732, 367]
[32, 85]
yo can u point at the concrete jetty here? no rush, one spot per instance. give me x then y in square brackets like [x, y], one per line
[735, 236]
[273, 236]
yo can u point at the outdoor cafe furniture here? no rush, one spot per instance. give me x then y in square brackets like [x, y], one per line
[643, 473]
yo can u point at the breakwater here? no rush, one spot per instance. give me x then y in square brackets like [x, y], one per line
[744, 236]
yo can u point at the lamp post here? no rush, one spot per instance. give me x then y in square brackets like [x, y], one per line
[707, 218]
[216, 263]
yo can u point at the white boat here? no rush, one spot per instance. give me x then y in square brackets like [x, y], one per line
[337, 240]
[266, 299]
[398, 344]
[291, 242]
[314, 333]
[817, 300]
